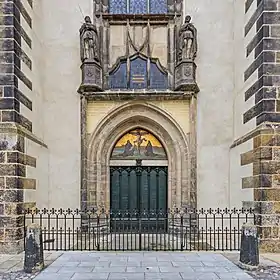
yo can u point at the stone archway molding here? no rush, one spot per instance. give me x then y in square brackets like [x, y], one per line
[129, 116]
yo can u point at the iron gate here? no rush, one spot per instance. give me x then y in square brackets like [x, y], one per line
[186, 229]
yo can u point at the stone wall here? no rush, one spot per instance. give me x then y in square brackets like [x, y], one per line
[15, 122]
[261, 117]
[215, 58]
[62, 77]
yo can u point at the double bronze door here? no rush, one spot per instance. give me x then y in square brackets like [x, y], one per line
[138, 198]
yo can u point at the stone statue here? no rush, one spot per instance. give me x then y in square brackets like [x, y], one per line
[187, 41]
[89, 41]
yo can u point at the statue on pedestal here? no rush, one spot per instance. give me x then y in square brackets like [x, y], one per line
[187, 41]
[90, 57]
[185, 69]
[89, 41]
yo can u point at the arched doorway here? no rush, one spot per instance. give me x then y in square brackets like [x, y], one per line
[139, 180]
[118, 122]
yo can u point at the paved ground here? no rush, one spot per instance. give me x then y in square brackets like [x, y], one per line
[142, 265]
[139, 265]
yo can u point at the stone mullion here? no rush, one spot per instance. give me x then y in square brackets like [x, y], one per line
[84, 149]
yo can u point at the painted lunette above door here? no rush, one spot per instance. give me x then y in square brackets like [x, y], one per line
[138, 144]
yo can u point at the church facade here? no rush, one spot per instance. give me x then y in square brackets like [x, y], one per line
[147, 104]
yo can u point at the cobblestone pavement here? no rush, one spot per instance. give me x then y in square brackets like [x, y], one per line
[142, 265]
[266, 273]
[268, 269]
[11, 266]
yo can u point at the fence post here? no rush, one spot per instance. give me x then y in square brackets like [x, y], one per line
[249, 250]
[34, 255]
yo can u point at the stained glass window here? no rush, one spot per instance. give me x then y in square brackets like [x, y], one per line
[118, 79]
[138, 6]
[118, 6]
[138, 76]
[158, 80]
[158, 6]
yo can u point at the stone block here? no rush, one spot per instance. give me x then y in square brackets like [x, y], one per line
[2, 234]
[185, 76]
[12, 170]
[276, 181]
[266, 140]
[266, 167]
[263, 153]
[264, 232]
[16, 157]
[276, 153]
[267, 194]
[11, 247]
[266, 93]
[277, 57]
[247, 158]
[270, 220]
[14, 233]
[20, 183]
[11, 221]
[269, 246]
[13, 208]
[91, 77]
[275, 232]
[249, 250]
[259, 181]
[34, 255]
[268, 117]
[276, 207]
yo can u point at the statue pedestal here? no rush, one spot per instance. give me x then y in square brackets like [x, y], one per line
[91, 76]
[185, 76]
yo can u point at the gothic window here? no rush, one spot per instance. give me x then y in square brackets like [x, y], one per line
[138, 6]
[138, 75]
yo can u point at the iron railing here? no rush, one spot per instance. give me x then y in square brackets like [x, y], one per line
[175, 230]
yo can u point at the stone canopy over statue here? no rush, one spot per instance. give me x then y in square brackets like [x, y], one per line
[89, 41]
[187, 41]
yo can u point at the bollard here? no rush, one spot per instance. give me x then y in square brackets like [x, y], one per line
[34, 255]
[249, 250]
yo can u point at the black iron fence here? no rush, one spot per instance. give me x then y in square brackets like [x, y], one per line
[176, 230]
